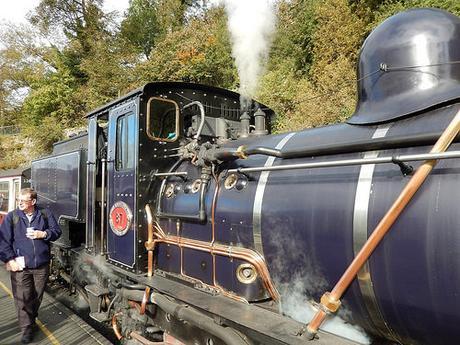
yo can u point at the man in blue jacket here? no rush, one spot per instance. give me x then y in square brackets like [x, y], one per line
[25, 236]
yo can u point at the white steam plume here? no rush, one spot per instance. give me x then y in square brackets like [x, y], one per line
[251, 24]
[297, 284]
[296, 305]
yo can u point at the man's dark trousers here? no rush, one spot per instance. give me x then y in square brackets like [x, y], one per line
[28, 287]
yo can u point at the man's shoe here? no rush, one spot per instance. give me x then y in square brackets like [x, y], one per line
[27, 336]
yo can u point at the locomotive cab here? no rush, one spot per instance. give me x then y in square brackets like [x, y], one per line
[132, 142]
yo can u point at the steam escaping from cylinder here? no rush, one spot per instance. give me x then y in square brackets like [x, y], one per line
[251, 24]
[296, 305]
[92, 270]
[298, 284]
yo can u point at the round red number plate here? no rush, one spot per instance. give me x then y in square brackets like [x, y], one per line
[120, 218]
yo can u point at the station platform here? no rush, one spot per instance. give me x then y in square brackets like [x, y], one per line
[57, 324]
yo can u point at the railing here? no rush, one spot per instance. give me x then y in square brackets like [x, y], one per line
[9, 130]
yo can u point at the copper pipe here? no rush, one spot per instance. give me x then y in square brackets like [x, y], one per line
[213, 224]
[215, 249]
[134, 304]
[149, 243]
[331, 301]
[145, 300]
[170, 340]
[142, 306]
[143, 340]
[179, 234]
[219, 289]
[213, 208]
[232, 252]
[115, 326]
[150, 264]
[214, 280]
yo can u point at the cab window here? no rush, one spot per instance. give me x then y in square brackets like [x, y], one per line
[125, 145]
[162, 119]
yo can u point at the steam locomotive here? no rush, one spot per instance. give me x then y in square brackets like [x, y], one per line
[184, 220]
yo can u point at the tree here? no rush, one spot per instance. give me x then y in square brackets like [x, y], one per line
[111, 79]
[141, 27]
[48, 84]
[198, 52]
[22, 59]
[294, 37]
[389, 8]
[82, 22]
[77, 18]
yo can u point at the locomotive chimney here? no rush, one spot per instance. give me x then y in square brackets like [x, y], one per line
[244, 125]
[259, 121]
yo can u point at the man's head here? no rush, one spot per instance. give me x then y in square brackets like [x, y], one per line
[27, 200]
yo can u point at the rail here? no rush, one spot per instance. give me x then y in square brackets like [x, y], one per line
[9, 130]
[349, 162]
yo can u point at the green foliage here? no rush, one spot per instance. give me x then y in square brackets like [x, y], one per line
[78, 19]
[12, 148]
[389, 8]
[43, 135]
[107, 80]
[171, 14]
[193, 54]
[320, 89]
[48, 110]
[141, 27]
[309, 80]
[293, 40]
[50, 95]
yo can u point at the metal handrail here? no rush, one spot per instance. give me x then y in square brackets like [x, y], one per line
[349, 162]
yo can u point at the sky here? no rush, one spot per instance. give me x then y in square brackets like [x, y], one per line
[16, 10]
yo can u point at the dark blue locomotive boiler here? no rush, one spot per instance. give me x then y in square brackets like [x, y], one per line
[191, 222]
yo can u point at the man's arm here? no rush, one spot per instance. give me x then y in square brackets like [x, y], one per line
[6, 239]
[54, 231]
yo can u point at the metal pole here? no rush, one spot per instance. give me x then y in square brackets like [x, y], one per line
[87, 246]
[177, 173]
[330, 301]
[350, 162]
[103, 173]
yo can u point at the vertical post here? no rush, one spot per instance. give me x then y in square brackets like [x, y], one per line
[103, 208]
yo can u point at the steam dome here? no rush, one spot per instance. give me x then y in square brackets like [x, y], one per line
[407, 64]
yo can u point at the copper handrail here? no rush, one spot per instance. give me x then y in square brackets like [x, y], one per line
[330, 301]
[149, 242]
[149, 261]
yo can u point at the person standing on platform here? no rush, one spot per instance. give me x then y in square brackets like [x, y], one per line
[25, 237]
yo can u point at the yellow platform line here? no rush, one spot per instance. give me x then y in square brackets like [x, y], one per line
[4, 287]
[40, 324]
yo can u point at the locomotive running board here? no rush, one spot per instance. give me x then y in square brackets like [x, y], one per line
[274, 329]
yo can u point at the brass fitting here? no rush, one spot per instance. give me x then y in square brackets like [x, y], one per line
[330, 304]
[149, 245]
[240, 151]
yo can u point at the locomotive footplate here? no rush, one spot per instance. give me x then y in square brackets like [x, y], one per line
[264, 325]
